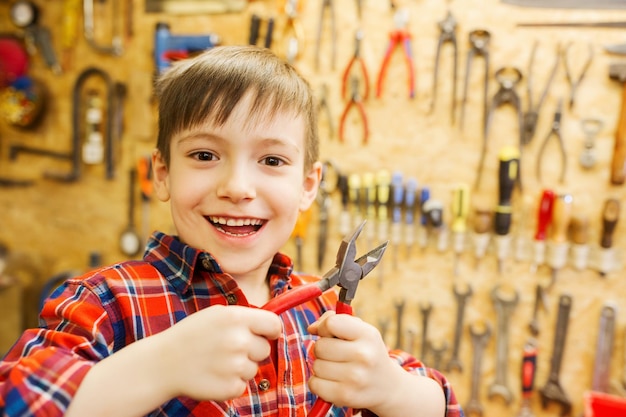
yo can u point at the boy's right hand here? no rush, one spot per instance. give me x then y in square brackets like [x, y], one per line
[212, 354]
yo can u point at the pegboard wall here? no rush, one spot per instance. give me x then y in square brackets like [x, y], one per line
[52, 226]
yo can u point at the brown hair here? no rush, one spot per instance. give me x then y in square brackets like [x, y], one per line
[211, 84]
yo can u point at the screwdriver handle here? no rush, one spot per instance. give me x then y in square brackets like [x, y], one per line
[544, 214]
[409, 200]
[424, 197]
[460, 208]
[397, 196]
[483, 221]
[508, 173]
[529, 367]
[561, 217]
[579, 229]
[610, 216]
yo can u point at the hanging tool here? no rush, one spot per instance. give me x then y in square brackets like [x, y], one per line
[397, 198]
[529, 368]
[69, 32]
[531, 115]
[299, 234]
[347, 273]
[480, 333]
[422, 236]
[356, 61]
[144, 173]
[383, 185]
[357, 103]
[344, 217]
[458, 223]
[93, 149]
[590, 127]
[324, 107]
[328, 8]
[368, 184]
[398, 37]
[504, 303]
[610, 217]
[410, 208]
[483, 225]
[293, 33]
[447, 34]
[433, 209]
[357, 200]
[461, 297]
[255, 29]
[555, 130]
[605, 25]
[569, 4]
[601, 378]
[116, 48]
[552, 391]
[25, 15]
[540, 302]
[508, 173]
[574, 82]
[559, 245]
[579, 231]
[479, 40]
[507, 78]
[130, 240]
[617, 71]
[544, 218]
[328, 185]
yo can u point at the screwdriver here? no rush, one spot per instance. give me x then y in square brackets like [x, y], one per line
[369, 199]
[423, 226]
[344, 217]
[508, 174]
[561, 217]
[383, 183]
[483, 223]
[544, 217]
[610, 216]
[409, 213]
[434, 217]
[579, 232]
[299, 233]
[460, 212]
[529, 367]
[397, 197]
[354, 193]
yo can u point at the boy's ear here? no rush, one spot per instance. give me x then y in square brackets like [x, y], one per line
[311, 184]
[160, 175]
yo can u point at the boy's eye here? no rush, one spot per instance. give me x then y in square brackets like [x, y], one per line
[273, 161]
[205, 156]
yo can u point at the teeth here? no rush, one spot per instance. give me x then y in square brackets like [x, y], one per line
[235, 222]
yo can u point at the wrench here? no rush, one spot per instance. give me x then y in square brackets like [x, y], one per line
[437, 350]
[425, 309]
[540, 301]
[480, 336]
[601, 378]
[399, 313]
[504, 308]
[461, 298]
[553, 391]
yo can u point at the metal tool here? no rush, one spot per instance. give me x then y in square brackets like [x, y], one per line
[605, 25]
[559, 245]
[323, 107]
[356, 61]
[540, 301]
[508, 173]
[410, 208]
[299, 235]
[425, 310]
[447, 34]
[479, 40]
[544, 218]
[508, 78]
[610, 217]
[590, 127]
[181, 45]
[398, 37]
[601, 378]
[399, 305]
[397, 199]
[293, 35]
[357, 200]
[130, 240]
[617, 71]
[483, 225]
[116, 47]
[327, 8]
[579, 232]
[480, 334]
[347, 273]
[437, 350]
[573, 81]
[504, 306]
[422, 232]
[458, 224]
[255, 29]
[552, 391]
[344, 216]
[531, 115]
[357, 103]
[569, 4]
[555, 131]
[328, 185]
[461, 298]
[529, 367]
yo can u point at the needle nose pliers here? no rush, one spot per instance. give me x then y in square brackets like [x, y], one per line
[347, 273]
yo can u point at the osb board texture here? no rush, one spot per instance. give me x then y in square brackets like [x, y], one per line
[52, 227]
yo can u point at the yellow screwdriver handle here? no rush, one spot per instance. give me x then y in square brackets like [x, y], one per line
[460, 208]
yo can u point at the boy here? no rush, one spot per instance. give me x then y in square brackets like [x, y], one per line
[237, 160]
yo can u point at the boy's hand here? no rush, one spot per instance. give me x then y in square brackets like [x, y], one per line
[211, 354]
[352, 366]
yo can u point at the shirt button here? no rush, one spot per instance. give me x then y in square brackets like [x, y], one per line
[206, 263]
[264, 385]
[232, 299]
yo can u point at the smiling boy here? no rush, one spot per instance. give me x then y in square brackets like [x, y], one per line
[179, 333]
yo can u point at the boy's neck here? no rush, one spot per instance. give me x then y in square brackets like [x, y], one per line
[257, 291]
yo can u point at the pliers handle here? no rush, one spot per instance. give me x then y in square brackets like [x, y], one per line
[356, 102]
[400, 35]
[356, 59]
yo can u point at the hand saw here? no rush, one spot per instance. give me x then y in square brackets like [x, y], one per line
[569, 4]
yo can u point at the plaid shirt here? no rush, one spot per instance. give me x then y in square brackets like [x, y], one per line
[93, 316]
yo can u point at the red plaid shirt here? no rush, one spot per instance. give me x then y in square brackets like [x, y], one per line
[93, 316]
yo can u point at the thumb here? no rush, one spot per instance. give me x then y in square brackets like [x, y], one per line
[319, 328]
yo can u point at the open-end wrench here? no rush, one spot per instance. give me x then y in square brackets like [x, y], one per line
[461, 299]
[504, 308]
[437, 350]
[425, 309]
[552, 390]
[540, 301]
[480, 334]
[601, 379]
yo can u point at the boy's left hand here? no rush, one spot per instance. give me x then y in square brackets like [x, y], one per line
[352, 366]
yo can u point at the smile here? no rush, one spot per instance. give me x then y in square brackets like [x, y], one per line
[236, 227]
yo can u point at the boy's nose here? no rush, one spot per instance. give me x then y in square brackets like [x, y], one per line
[236, 184]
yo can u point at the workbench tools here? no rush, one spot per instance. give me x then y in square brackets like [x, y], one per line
[617, 71]
[447, 34]
[508, 174]
[169, 47]
[529, 368]
[458, 223]
[559, 225]
[610, 217]
[544, 218]
[479, 40]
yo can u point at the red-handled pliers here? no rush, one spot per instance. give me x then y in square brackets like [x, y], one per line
[399, 36]
[347, 273]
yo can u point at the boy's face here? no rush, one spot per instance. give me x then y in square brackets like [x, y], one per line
[236, 190]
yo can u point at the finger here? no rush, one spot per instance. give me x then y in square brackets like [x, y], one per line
[342, 326]
[314, 327]
[259, 349]
[265, 323]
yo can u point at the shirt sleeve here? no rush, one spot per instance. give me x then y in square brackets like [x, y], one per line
[41, 373]
[411, 364]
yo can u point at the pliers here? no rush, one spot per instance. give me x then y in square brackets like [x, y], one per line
[356, 102]
[356, 60]
[347, 273]
[555, 130]
[399, 35]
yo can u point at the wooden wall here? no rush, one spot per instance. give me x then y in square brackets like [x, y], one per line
[53, 227]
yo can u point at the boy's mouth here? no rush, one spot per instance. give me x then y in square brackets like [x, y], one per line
[236, 227]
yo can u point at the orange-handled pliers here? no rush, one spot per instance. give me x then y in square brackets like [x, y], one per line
[356, 60]
[356, 102]
[399, 35]
[347, 273]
